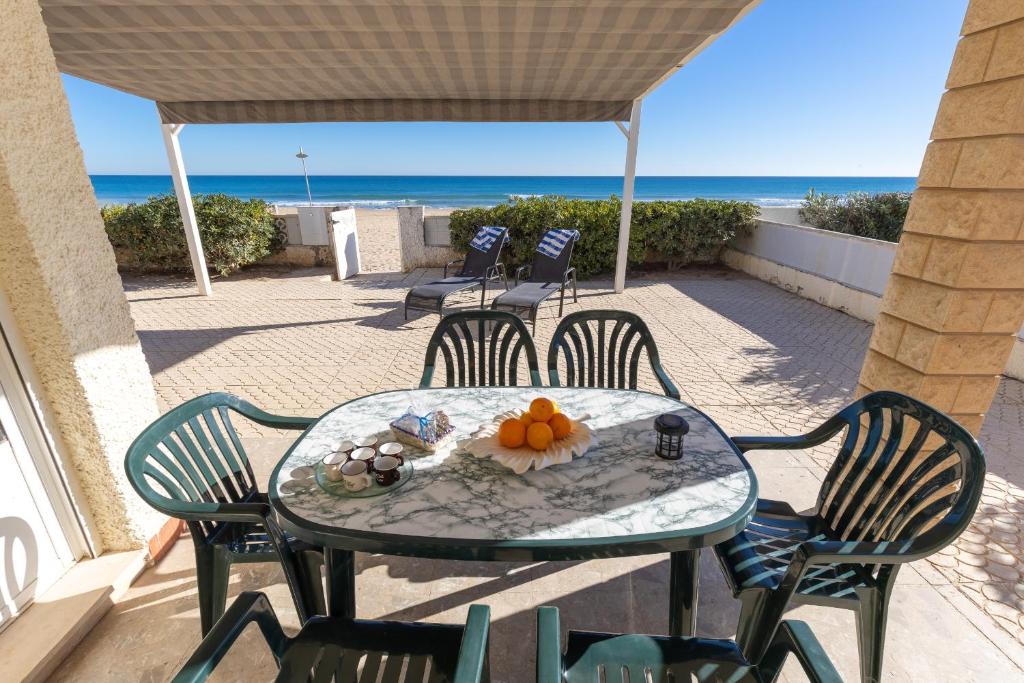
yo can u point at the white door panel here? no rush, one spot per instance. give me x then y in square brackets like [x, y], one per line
[34, 552]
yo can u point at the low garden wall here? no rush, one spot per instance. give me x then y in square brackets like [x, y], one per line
[845, 272]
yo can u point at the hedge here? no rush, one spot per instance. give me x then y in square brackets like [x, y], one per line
[878, 216]
[150, 235]
[670, 233]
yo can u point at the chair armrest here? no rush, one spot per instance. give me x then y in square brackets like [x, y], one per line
[472, 664]
[452, 263]
[520, 272]
[667, 385]
[570, 274]
[796, 637]
[212, 512]
[549, 646]
[815, 437]
[248, 608]
[266, 419]
[494, 271]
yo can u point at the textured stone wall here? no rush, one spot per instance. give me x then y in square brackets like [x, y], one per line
[57, 270]
[955, 301]
[415, 252]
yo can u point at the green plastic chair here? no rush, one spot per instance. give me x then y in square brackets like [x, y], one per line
[609, 359]
[480, 348]
[904, 485]
[614, 658]
[332, 649]
[190, 464]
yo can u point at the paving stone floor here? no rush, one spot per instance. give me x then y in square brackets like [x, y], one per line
[756, 358]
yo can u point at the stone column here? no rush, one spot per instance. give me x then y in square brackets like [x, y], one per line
[58, 274]
[955, 300]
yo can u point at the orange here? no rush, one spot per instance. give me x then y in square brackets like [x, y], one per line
[541, 409]
[539, 436]
[560, 425]
[526, 419]
[512, 433]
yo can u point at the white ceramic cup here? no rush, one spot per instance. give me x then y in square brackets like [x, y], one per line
[332, 465]
[356, 475]
[345, 447]
[365, 441]
[392, 448]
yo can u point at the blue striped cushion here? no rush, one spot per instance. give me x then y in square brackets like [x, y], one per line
[485, 238]
[554, 241]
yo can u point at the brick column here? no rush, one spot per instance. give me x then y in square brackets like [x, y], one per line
[955, 300]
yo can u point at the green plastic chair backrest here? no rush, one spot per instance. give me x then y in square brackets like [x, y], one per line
[641, 658]
[191, 460]
[602, 348]
[905, 473]
[481, 348]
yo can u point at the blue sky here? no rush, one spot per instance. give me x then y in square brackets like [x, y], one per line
[798, 87]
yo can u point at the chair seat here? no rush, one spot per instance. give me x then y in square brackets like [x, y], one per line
[526, 294]
[591, 657]
[380, 648]
[759, 556]
[444, 287]
[251, 541]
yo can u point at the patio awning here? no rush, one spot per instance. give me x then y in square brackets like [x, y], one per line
[277, 61]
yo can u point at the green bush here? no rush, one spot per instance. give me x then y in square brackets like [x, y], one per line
[878, 216]
[662, 232]
[151, 236]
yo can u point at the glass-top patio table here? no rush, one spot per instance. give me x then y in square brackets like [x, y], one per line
[619, 499]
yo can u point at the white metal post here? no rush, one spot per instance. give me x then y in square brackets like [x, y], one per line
[632, 137]
[188, 212]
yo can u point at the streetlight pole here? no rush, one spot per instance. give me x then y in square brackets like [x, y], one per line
[302, 156]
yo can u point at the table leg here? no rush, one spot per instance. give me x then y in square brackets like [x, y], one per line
[340, 567]
[682, 594]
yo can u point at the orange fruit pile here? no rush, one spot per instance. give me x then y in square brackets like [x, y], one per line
[538, 427]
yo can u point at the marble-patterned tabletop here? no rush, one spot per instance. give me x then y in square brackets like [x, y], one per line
[617, 491]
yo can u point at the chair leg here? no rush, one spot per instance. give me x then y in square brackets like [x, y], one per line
[575, 300]
[213, 569]
[483, 293]
[561, 301]
[760, 614]
[871, 621]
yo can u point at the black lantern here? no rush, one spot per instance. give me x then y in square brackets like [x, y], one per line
[671, 429]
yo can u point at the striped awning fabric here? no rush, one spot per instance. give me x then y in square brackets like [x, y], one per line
[256, 61]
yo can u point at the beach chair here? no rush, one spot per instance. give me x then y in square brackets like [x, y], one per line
[549, 273]
[478, 268]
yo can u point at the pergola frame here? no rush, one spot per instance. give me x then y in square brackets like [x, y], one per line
[171, 131]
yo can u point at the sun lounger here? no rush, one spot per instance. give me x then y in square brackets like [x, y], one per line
[478, 268]
[549, 273]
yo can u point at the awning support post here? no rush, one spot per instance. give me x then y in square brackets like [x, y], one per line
[188, 212]
[632, 137]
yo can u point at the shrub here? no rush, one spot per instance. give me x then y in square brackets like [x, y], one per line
[151, 236]
[878, 216]
[673, 233]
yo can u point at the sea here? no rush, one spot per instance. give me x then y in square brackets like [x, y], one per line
[382, 192]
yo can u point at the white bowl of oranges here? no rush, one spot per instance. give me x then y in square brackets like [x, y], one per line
[536, 438]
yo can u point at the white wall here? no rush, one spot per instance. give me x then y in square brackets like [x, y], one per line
[840, 271]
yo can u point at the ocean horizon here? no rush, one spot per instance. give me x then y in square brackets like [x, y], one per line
[382, 192]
